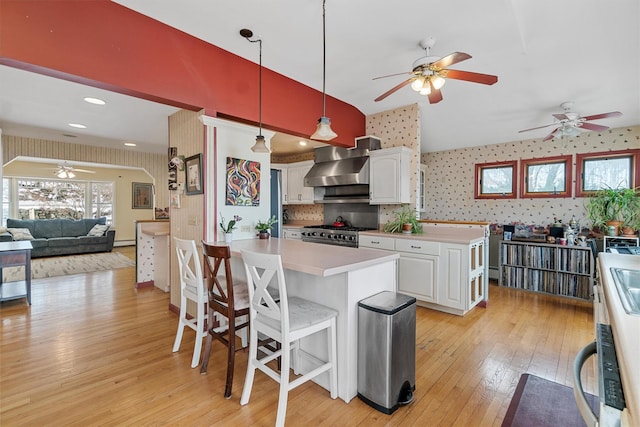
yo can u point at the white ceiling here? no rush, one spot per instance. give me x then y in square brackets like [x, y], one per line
[544, 52]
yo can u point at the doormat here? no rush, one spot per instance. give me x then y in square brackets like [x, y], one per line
[69, 264]
[539, 402]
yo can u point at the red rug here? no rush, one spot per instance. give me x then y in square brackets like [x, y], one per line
[538, 403]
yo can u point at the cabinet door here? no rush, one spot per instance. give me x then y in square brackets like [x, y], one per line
[418, 276]
[297, 193]
[389, 176]
[454, 266]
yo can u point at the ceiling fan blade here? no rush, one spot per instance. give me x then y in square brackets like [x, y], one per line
[561, 116]
[395, 88]
[82, 170]
[539, 127]
[451, 59]
[550, 136]
[435, 96]
[603, 115]
[392, 75]
[594, 127]
[485, 79]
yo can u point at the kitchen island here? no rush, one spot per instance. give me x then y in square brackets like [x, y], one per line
[337, 277]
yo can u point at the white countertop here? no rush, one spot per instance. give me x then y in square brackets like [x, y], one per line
[626, 331]
[463, 236]
[315, 258]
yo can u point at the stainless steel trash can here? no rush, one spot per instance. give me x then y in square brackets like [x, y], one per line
[387, 350]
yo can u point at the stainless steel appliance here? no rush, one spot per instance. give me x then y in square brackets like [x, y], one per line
[276, 202]
[342, 223]
[332, 235]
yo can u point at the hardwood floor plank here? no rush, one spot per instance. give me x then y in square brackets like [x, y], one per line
[93, 350]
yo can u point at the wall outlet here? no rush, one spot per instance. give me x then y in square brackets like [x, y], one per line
[245, 228]
[193, 220]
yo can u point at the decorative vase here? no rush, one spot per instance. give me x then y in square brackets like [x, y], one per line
[228, 237]
[264, 235]
[627, 231]
[407, 228]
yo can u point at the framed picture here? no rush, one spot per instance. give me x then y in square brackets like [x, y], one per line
[193, 171]
[142, 196]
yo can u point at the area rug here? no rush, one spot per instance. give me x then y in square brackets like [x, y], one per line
[539, 402]
[69, 264]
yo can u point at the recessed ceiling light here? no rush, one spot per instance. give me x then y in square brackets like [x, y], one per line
[77, 125]
[303, 143]
[130, 144]
[96, 101]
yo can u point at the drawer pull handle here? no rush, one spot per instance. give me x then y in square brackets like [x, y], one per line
[416, 247]
[373, 242]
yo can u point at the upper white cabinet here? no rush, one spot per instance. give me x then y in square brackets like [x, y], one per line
[294, 192]
[389, 175]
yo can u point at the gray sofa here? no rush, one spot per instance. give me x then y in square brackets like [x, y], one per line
[52, 237]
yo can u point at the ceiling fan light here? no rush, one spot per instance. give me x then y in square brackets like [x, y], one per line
[437, 81]
[418, 84]
[260, 146]
[426, 89]
[323, 131]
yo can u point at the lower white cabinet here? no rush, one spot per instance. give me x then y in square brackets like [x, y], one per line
[443, 276]
[292, 233]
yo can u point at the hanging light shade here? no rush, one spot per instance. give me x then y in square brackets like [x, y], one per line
[260, 146]
[323, 130]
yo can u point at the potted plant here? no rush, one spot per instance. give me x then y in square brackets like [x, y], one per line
[227, 228]
[406, 220]
[264, 227]
[611, 208]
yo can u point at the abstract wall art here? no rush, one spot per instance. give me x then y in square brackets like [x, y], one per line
[243, 182]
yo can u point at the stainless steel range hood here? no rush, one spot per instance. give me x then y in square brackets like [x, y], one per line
[337, 166]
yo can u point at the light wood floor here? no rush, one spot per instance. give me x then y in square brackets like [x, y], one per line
[92, 350]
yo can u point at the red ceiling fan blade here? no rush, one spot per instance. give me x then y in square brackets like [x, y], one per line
[603, 115]
[485, 79]
[550, 136]
[395, 88]
[391, 75]
[451, 59]
[435, 96]
[594, 127]
[561, 116]
[539, 127]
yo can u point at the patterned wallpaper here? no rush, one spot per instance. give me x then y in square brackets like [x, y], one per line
[301, 212]
[396, 128]
[450, 178]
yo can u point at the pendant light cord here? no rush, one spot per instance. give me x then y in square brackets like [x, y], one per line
[324, 60]
[260, 91]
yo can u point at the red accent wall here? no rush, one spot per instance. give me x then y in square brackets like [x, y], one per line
[104, 44]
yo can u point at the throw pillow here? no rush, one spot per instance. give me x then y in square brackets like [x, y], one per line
[20, 233]
[98, 230]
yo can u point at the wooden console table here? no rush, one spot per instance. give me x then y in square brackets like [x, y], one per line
[15, 254]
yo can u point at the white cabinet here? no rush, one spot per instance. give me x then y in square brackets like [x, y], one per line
[418, 268]
[296, 193]
[389, 175]
[292, 233]
[443, 276]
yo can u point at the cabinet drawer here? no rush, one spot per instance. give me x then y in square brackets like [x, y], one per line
[376, 242]
[418, 246]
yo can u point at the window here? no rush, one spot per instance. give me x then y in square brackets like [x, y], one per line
[33, 198]
[547, 177]
[496, 180]
[611, 169]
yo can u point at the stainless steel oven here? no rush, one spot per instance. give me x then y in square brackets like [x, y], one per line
[332, 235]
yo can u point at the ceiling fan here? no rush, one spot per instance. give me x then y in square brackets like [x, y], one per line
[66, 170]
[570, 123]
[429, 74]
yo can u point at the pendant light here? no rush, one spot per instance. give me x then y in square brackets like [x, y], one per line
[260, 146]
[323, 131]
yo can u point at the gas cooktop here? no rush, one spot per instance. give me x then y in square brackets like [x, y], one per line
[339, 228]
